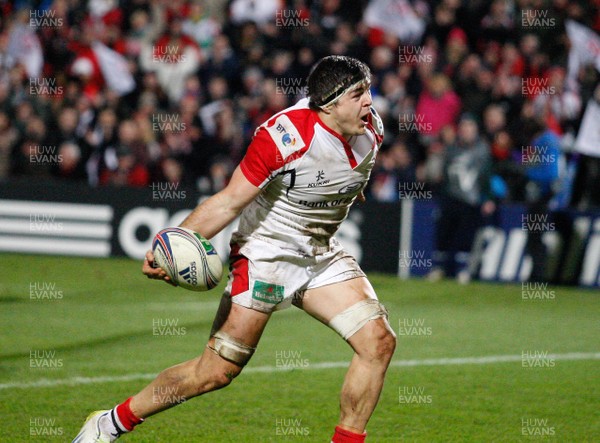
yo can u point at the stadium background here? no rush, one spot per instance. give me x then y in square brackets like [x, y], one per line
[100, 149]
[162, 98]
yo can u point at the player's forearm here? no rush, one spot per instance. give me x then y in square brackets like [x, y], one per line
[212, 215]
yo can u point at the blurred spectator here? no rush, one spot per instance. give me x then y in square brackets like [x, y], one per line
[465, 200]
[505, 167]
[498, 23]
[394, 171]
[561, 106]
[260, 13]
[71, 165]
[174, 56]
[541, 157]
[8, 138]
[438, 105]
[494, 121]
[124, 169]
[456, 50]
[201, 26]
[214, 66]
[222, 62]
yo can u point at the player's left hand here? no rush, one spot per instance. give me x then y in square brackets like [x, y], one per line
[361, 197]
[151, 271]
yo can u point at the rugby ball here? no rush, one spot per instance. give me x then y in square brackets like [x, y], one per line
[188, 258]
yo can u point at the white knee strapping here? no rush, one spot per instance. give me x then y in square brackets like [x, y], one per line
[232, 350]
[349, 321]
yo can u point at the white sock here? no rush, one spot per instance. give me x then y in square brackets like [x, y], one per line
[110, 424]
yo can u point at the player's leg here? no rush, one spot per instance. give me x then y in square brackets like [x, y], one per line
[235, 333]
[351, 308]
[209, 371]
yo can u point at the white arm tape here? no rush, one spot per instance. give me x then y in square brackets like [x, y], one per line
[349, 321]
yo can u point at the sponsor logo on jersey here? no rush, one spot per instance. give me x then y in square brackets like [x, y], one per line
[288, 140]
[321, 180]
[351, 188]
[285, 135]
[326, 203]
[190, 274]
[267, 292]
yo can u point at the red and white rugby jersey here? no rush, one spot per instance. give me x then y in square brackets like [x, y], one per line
[310, 176]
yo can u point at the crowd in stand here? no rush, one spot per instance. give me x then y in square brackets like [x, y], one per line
[206, 73]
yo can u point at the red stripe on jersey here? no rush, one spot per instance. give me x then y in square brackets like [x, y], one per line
[263, 157]
[378, 138]
[239, 271]
[347, 147]
[350, 154]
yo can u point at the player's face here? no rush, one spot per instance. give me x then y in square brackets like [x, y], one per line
[350, 113]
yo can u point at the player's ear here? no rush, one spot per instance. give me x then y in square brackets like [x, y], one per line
[327, 109]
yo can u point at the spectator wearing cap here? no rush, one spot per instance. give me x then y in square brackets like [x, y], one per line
[456, 50]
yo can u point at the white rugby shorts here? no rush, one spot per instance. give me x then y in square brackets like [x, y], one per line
[266, 277]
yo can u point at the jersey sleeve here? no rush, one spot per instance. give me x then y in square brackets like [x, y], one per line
[262, 159]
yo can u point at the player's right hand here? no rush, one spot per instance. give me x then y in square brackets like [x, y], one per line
[156, 273]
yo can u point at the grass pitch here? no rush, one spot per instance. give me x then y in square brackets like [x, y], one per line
[83, 334]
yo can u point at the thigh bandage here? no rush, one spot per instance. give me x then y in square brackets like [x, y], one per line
[349, 321]
[231, 350]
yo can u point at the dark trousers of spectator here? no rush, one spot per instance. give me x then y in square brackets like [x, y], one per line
[535, 247]
[456, 227]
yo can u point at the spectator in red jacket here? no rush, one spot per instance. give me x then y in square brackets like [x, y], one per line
[438, 104]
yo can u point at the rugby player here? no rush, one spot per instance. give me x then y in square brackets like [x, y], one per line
[304, 168]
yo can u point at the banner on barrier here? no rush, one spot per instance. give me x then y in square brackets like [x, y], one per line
[64, 219]
[67, 219]
[499, 253]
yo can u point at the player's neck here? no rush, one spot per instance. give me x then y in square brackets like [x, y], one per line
[331, 123]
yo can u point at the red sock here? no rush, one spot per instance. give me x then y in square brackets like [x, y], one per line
[127, 418]
[345, 436]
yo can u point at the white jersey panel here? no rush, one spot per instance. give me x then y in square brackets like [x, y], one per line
[309, 193]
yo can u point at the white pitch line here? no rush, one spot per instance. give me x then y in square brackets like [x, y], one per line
[74, 381]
